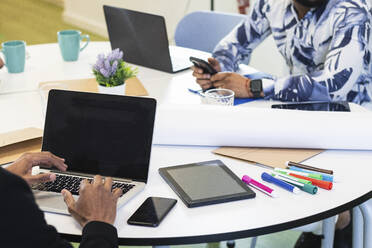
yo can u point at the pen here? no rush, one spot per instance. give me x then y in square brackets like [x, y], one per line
[320, 183]
[311, 189]
[311, 175]
[307, 167]
[259, 186]
[198, 92]
[268, 178]
[325, 177]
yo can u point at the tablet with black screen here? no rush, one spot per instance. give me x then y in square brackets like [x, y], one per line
[205, 183]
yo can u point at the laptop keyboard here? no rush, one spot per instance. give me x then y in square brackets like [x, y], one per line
[72, 184]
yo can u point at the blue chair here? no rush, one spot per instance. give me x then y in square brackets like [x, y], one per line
[202, 30]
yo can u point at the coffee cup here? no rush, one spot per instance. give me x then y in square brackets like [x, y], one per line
[69, 44]
[15, 55]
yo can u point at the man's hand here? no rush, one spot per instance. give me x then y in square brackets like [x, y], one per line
[23, 166]
[96, 201]
[1, 63]
[233, 81]
[204, 79]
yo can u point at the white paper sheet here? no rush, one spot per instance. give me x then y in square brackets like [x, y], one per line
[209, 125]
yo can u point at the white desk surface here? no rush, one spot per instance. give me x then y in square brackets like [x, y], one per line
[20, 106]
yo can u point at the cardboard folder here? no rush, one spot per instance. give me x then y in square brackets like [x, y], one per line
[14, 144]
[273, 157]
[133, 88]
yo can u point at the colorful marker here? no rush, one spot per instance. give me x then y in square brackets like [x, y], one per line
[311, 175]
[268, 178]
[307, 167]
[325, 177]
[320, 183]
[311, 189]
[259, 186]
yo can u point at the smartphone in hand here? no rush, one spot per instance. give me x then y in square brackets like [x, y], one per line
[204, 65]
[152, 211]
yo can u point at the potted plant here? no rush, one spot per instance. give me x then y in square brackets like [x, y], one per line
[112, 72]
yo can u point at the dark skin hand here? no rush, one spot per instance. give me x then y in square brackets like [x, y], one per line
[96, 201]
[23, 166]
[204, 79]
[1, 63]
[227, 80]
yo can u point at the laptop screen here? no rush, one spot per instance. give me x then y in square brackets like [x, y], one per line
[141, 36]
[100, 134]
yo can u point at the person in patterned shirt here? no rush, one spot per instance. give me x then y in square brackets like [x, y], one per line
[326, 45]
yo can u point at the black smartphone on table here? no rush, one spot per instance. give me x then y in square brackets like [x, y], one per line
[341, 106]
[204, 65]
[152, 211]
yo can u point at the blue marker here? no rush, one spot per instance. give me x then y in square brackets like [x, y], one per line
[268, 178]
[325, 177]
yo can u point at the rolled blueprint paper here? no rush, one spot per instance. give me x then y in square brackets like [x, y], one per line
[212, 125]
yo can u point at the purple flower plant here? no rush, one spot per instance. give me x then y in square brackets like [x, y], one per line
[107, 66]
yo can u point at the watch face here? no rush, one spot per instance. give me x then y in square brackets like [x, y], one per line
[256, 86]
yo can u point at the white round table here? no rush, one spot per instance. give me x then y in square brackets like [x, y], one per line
[20, 107]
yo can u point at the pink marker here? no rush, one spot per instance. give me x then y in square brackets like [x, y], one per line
[259, 186]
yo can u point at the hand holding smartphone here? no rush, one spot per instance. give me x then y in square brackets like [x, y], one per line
[204, 65]
[152, 211]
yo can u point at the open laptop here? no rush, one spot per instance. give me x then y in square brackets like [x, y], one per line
[143, 39]
[97, 134]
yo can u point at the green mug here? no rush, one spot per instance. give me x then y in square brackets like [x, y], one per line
[15, 55]
[69, 43]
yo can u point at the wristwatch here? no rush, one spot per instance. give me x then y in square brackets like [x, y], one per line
[256, 88]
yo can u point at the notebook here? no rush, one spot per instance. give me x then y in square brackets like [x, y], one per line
[143, 39]
[97, 134]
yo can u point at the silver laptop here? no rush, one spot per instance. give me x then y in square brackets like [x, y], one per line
[96, 134]
[143, 39]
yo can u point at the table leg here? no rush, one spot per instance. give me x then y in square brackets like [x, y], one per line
[366, 209]
[253, 242]
[328, 232]
[357, 228]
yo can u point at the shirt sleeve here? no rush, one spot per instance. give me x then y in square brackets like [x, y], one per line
[237, 46]
[348, 53]
[99, 234]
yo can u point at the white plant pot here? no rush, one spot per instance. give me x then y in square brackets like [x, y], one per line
[116, 90]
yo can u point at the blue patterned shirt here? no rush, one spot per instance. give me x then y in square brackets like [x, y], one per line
[328, 51]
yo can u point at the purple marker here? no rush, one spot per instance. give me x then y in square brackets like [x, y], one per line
[259, 186]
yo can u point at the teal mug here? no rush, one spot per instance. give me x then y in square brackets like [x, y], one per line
[15, 55]
[69, 43]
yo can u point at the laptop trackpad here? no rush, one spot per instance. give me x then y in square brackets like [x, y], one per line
[50, 202]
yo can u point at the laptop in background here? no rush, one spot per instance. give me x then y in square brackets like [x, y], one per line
[143, 39]
[96, 134]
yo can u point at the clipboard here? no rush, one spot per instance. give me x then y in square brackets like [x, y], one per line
[134, 86]
[272, 157]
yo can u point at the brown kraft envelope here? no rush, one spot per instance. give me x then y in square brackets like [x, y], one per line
[14, 144]
[273, 157]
